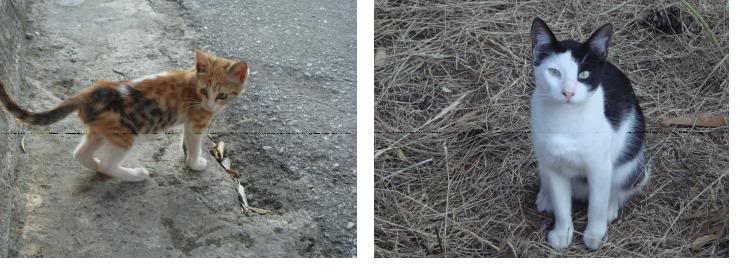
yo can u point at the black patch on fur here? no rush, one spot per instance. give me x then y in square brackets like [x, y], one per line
[146, 115]
[108, 100]
[102, 100]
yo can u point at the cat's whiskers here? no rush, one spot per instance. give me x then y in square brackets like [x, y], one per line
[193, 105]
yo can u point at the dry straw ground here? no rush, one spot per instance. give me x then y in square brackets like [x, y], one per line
[457, 75]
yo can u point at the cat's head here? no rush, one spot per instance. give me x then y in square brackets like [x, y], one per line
[220, 80]
[568, 71]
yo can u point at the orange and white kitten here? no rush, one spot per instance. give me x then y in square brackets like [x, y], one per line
[116, 112]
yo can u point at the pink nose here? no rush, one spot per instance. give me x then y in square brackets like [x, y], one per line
[568, 95]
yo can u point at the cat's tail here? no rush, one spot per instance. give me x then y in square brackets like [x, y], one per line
[41, 118]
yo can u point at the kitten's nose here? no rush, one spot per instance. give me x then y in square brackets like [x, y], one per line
[568, 94]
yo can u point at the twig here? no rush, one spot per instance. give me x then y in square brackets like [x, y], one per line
[121, 73]
[403, 170]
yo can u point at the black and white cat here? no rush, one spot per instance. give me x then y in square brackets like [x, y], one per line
[588, 133]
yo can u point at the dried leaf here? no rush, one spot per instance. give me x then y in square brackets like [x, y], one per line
[226, 163]
[242, 194]
[211, 150]
[258, 210]
[700, 242]
[380, 57]
[23, 143]
[220, 150]
[698, 120]
[233, 172]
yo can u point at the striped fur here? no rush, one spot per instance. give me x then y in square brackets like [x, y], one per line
[42, 118]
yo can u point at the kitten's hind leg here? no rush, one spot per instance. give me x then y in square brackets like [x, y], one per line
[110, 164]
[84, 153]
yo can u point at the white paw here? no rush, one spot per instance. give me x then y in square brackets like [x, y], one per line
[594, 238]
[198, 164]
[543, 202]
[560, 238]
[136, 175]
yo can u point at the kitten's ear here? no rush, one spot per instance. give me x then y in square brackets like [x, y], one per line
[600, 41]
[541, 35]
[237, 73]
[201, 61]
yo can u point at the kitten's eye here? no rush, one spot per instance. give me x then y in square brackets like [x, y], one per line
[221, 96]
[584, 74]
[555, 72]
[203, 91]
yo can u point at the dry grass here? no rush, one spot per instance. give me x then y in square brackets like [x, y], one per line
[458, 75]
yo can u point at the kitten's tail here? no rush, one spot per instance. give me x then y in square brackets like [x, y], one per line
[42, 118]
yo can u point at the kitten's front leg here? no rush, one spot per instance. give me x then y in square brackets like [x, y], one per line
[193, 139]
[599, 188]
[559, 188]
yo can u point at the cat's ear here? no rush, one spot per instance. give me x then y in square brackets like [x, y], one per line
[201, 61]
[542, 37]
[599, 42]
[237, 73]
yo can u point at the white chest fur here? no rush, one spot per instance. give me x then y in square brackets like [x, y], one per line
[567, 136]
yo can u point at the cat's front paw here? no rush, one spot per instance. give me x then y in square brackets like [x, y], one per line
[198, 164]
[560, 238]
[594, 238]
[137, 175]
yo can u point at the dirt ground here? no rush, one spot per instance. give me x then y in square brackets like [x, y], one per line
[293, 136]
[454, 169]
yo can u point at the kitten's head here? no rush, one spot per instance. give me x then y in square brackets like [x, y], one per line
[568, 71]
[220, 80]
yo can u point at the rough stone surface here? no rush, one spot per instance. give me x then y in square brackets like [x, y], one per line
[302, 55]
[12, 181]
[74, 212]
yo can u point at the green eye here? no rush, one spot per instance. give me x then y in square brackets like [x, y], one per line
[555, 72]
[221, 96]
[584, 74]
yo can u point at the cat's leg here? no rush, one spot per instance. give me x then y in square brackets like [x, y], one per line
[110, 164]
[560, 198]
[193, 139]
[614, 206]
[543, 197]
[599, 199]
[84, 153]
[182, 143]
